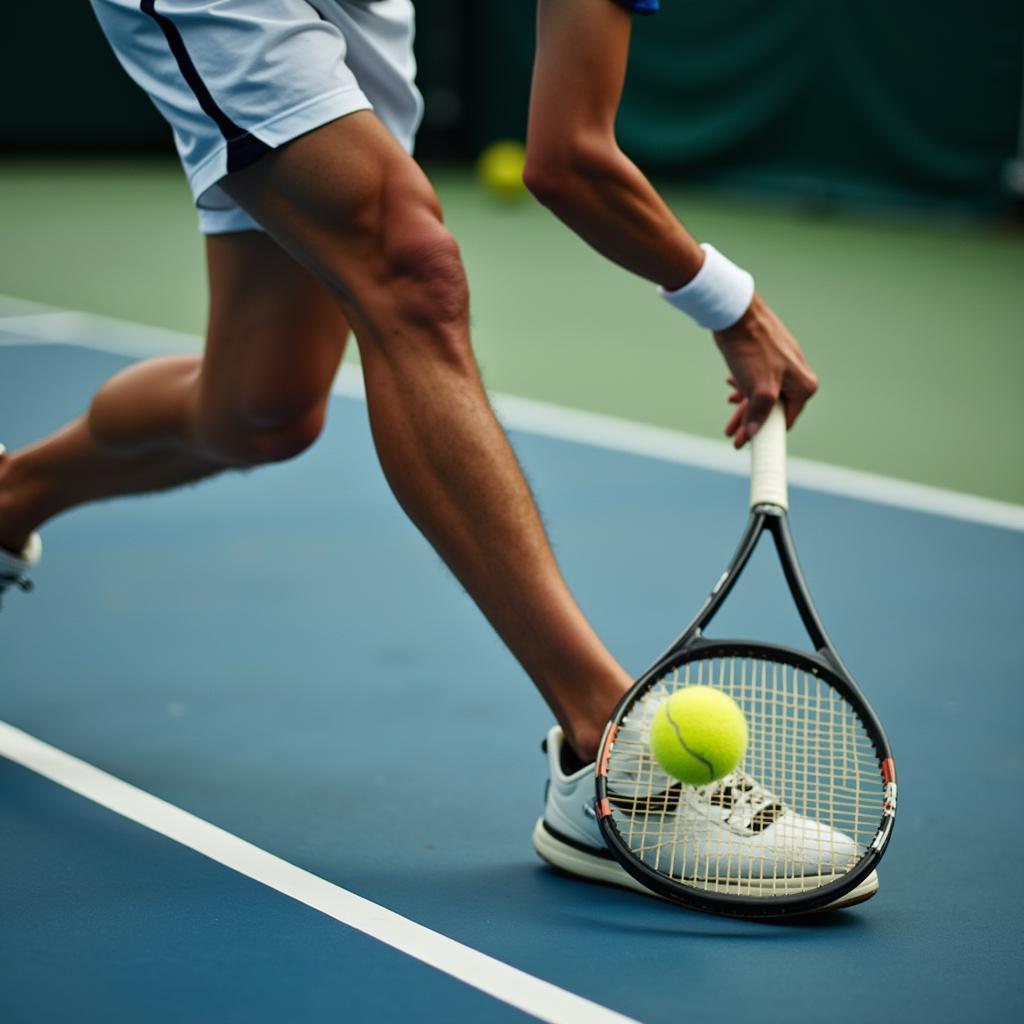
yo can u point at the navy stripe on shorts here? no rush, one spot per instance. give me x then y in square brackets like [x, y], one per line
[242, 147]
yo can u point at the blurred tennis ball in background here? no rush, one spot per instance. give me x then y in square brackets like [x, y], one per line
[698, 735]
[500, 168]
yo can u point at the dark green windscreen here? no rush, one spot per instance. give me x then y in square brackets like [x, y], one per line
[875, 100]
[912, 101]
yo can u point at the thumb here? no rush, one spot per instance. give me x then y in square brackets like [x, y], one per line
[758, 408]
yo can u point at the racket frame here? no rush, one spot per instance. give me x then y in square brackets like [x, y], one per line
[824, 662]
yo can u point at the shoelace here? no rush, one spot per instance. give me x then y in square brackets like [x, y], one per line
[744, 799]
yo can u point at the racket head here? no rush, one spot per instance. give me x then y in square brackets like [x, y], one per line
[803, 820]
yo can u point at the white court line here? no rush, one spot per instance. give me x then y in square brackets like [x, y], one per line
[50, 325]
[510, 985]
[691, 450]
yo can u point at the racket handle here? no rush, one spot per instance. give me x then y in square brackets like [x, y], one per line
[768, 461]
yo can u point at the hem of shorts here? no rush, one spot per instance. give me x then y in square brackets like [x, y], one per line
[307, 115]
[206, 229]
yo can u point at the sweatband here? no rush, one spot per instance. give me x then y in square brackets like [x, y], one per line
[718, 296]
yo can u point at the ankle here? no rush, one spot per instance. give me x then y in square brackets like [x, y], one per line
[585, 718]
[584, 733]
[583, 743]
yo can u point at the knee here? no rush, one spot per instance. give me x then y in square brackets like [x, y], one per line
[270, 408]
[410, 283]
[424, 269]
[240, 439]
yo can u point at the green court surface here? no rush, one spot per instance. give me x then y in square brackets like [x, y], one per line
[912, 325]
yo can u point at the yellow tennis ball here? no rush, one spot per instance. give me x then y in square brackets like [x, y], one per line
[500, 168]
[698, 735]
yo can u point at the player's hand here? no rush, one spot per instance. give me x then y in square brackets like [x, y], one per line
[766, 364]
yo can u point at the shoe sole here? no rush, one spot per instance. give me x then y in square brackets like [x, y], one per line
[596, 868]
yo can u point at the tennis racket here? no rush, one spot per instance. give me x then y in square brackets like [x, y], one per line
[804, 820]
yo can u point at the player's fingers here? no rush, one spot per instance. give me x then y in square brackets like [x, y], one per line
[734, 421]
[798, 396]
[735, 398]
[794, 406]
[758, 407]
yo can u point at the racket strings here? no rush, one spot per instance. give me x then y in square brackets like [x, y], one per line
[798, 813]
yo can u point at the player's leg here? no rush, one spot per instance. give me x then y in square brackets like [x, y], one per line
[274, 340]
[348, 202]
[258, 395]
[68, 467]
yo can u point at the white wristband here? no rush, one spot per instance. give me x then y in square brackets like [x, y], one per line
[718, 296]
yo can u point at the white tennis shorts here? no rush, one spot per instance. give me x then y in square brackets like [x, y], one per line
[235, 78]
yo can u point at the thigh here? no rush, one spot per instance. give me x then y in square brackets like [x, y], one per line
[346, 201]
[275, 335]
[239, 78]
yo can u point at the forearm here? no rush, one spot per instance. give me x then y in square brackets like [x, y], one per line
[575, 167]
[603, 196]
[574, 164]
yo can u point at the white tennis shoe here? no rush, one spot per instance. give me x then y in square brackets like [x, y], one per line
[14, 567]
[568, 836]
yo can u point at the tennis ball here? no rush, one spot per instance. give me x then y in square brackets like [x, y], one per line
[698, 735]
[500, 168]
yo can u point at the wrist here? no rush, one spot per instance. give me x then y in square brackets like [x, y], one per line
[718, 296]
[751, 322]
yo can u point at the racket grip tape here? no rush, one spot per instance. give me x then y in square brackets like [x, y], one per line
[768, 461]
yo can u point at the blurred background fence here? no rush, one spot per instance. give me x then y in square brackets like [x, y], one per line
[911, 103]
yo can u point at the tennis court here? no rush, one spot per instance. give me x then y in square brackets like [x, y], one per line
[263, 759]
[326, 712]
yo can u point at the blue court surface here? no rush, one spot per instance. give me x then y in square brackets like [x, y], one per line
[280, 655]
